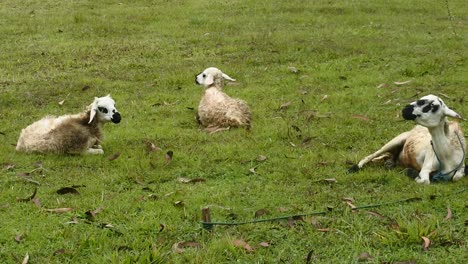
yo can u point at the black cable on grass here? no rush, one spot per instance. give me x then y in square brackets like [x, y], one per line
[450, 18]
[208, 225]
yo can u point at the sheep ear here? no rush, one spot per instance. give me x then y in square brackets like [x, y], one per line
[209, 79]
[226, 77]
[93, 110]
[451, 113]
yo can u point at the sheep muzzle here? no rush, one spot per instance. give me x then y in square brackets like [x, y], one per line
[116, 118]
[407, 113]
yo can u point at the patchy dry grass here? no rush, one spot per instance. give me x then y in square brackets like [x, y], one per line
[134, 209]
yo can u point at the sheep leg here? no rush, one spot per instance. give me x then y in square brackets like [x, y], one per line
[393, 144]
[96, 146]
[94, 151]
[460, 173]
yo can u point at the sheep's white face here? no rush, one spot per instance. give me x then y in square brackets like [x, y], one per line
[208, 77]
[428, 111]
[103, 108]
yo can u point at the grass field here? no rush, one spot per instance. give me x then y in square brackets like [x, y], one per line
[320, 79]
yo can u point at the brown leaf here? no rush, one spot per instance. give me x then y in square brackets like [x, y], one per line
[261, 158]
[180, 247]
[323, 229]
[376, 214]
[168, 157]
[364, 257]
[264, 244]
[74, 220]
[242, 244]
[261, 212]
[352, 206]
[179, 203]
[252, 170]
[60, 251]
[59, 210]
[61, 102]
[361, 117]
[285, 105]
[114, 157]
[92, 214]
[449, 214]
[325, 97]
[151, 146]
[69, 190]
[19, 237]
[8, 166]
[382, 85]
[28, 198]
[293, 69]
[426, 243]
[37, 202]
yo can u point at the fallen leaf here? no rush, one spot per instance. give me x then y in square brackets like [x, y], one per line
[376, 214]
[261, 158]
[180, 247]
[195, 180]
[66, 190]
[92, 214]
[28, 198]
[114, 157]
[402, 83]
[325, 97]
[361, 117]
[261, 212]
[60, 251]
[282, 209]
[179, 203]
[382, 85]
[352, 206]
[264, 244]
[25, 259]
[449, 214]
[364, 257]
[151, 146]
[59, 210]
[162, 227]
[252, 170]
[426, 243]
[168, 157]
[8, 166]
[285, 105]
[242, 244]
[37, 202]
[323, 229]
[74, 220]
[19, 237]
[293, 69]
[61, 102]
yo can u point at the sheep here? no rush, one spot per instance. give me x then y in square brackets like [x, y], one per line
[70, 134]
[434, 147]
[216, 110]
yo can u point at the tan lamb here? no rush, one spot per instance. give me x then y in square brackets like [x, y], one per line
[434, 147]
[217, 111]
[70, 134]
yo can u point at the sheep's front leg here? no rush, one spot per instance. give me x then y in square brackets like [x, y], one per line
[94, 151]
[430, 164]
[396, 142]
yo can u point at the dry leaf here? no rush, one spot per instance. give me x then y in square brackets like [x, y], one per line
[28, 198]
[59, 252]
[59, 210]
[195, 180]
[25, 259]
[361, 117]
[252, 170]
[364, 257]
[66, 190]
[242, 244]
[323, 229]
[352, 206]
[265, 244]
[9, 166]
[180, 247]
[19, 237]
[261, 158]
[113, 157]
[179, 203]
[92, 214]
[325, 97]
[293, 69]
[37, 202]
[61, 102]
[381, 85]
[376, 214]
[449, 214]
[168, 157]
[261, 212]
[285, 105]
[426, 243]
[73, 221]
[402, 83]
[152, 147]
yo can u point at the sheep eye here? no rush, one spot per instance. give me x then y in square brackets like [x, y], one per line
[103, 110]
[204, 75]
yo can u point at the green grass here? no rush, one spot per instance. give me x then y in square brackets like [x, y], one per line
[146, 54]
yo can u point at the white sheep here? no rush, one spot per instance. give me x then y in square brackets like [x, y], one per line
[434, 147]
[72, 134]
[217, 111]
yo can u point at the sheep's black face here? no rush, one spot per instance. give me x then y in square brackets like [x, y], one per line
[408, 113]
[116, 118]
